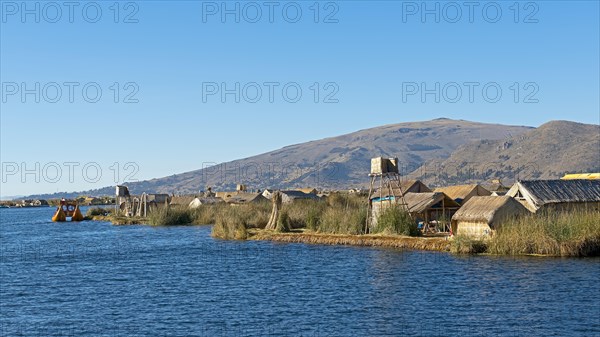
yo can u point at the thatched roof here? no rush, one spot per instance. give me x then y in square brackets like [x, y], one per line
[420, 202]
[406, 186]
[485, 209]
[308, 190]
[496, 187]
[244, 197]
[197, 202]
[183, 200]
[293, 194]
[541, 192]
[461, 192]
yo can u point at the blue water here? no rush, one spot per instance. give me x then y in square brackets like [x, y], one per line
[95, 279]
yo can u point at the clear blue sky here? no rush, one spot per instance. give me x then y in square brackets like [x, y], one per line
[374, 54]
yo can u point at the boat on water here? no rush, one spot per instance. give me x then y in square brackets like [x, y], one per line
[67, 209]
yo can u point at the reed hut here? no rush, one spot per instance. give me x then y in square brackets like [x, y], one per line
[462, 193]
[158, 198]
[199, 201]
[244, 198]
[497, 188]
[558, 195]
[181, 200]
[432, 209]
[481, 216]
[309, 190]
[291, 196]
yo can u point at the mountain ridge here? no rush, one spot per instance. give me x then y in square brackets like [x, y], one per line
[427, 150]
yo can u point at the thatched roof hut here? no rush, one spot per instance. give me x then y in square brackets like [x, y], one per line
[496, 187]
[421, 202]
[291, 196]
[557, 194]
[407, 186]
[243, 198]
[462, 193]
[181, 200]
[482, 215]
[197, 202]
[427, 208]
[309, 190]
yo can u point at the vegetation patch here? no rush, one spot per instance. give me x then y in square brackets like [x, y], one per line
[574, 233]
[395, 220]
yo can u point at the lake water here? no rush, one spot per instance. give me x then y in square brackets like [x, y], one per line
[95, 279]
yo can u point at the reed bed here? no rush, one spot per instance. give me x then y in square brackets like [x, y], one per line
[400, 242]
[170, 216]
[395, 220]
[231, 224]
[575, 233]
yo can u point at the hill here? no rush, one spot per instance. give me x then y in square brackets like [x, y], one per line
[548, 152]
[336, 162]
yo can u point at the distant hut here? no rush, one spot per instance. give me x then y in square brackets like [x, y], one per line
[291, 196]
[197, 202]
[462, 193]
[181, 200]
[557, 194]
[244, 198]
[308, 190]
[158, 198]
[497, 188]
[480, 217]
[40, 203]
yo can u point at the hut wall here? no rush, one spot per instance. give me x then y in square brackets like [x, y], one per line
[474, 229]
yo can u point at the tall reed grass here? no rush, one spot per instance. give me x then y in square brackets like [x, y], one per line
[170, 216]
[395, 220]
[575, 233]
[231, 224]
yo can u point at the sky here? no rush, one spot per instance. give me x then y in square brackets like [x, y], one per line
[97, 93]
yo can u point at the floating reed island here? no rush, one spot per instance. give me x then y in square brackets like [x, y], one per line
[340, 218]
[559, 217]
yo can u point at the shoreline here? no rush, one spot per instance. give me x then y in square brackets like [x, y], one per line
[438, 244]
[421, 243]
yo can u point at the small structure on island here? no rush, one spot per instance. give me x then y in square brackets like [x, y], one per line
[385, 177]
[496, 187]
[432, 210]
[558, 194]
[462, 193]
[181, 200]
[480, 217]
[199, 201]
[291, 196]
[244, 198]
[138, 205]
